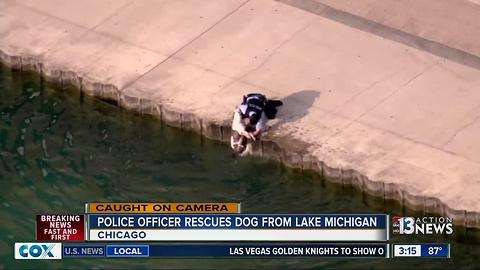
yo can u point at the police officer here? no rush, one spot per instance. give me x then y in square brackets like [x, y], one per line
[249, 121]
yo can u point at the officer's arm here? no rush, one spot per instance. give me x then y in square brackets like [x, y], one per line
[261, 125]
[238, 125]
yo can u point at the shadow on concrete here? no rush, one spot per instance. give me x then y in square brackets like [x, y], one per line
[296, 106]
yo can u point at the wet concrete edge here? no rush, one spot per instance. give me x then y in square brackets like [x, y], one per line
[279, 149]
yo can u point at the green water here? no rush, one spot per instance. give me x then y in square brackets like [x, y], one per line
[59, 149]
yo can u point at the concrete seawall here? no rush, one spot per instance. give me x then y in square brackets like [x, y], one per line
[395, 121]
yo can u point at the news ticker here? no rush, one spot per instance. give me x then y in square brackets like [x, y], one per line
[218, 227]
[221, 230]
[210, 250]
[223, 222]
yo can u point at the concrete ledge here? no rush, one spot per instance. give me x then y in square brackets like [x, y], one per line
[191, 122]
[372, 116]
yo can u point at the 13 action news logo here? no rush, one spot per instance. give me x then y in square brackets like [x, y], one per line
[38, 251]
[422, 225]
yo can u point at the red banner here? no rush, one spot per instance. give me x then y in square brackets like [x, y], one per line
[60, 228]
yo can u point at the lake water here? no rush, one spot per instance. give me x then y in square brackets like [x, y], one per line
[59, 149]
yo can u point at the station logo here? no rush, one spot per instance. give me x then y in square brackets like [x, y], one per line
[38, 251]
[422, 225]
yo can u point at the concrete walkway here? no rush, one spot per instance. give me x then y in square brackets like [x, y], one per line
[369, 109]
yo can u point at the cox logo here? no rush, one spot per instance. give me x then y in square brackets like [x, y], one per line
[32, 251]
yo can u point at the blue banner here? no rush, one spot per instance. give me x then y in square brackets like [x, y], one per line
[236, 221]
[73, 251]
[128, 251]
[271, 250]
[435, 250]
[357, 250]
